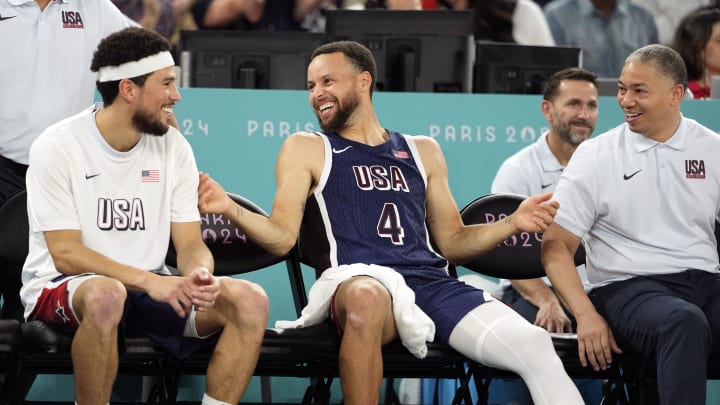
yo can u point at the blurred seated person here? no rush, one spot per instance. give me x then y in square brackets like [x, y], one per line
[697, 39]
[239, 14]
[157, 15]
[668, 14]
[606, 30]
[518, 21]
[311, 13]
[280, 15]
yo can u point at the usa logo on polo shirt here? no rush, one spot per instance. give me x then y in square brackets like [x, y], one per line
[695, 169]
[72, 19]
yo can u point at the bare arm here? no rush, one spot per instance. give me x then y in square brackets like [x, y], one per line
[298, 164]
[195, 261]
[223, 12]
[458, 242]
[595, 339]
[151, 14]
[403, 5]
[72, 257]
[550, 316]
[304, 7]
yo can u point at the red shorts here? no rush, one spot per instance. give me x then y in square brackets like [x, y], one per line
[53, 307]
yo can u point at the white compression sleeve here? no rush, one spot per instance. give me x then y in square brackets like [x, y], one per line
[495, 335]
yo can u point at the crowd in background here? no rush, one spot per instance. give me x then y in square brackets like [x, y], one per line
[607, 30]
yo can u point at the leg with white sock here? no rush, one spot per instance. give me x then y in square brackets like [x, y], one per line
[242, 311]
[494, 335]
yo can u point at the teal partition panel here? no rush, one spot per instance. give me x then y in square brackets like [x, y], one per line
[236, 135]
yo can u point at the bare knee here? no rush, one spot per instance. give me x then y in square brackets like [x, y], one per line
[100, 302]
[363, 305]
[249, 304]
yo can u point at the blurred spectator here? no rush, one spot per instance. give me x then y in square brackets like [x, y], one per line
[184, 20]
[697, 39]
[393, 4]
[155, 15]
[669, 13]
[311, 13]
[227, 14]
[606, 30]
[519, 21]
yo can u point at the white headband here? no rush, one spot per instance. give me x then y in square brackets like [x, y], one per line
[136, 68]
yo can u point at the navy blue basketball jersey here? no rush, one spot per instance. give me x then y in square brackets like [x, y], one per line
[369, 207]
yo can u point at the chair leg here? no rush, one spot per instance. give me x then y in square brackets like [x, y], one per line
[318, 392]
[17, 386]
[462, 394]
[266, 389]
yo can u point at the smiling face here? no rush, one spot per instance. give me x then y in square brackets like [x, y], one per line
[573, 111]
[650, 100]
[157, 98]
[335, 87]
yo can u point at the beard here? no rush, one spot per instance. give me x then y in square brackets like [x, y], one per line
[342, 115]
[564, 131]
[145, 123]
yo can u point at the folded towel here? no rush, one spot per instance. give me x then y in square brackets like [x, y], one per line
[414, 327]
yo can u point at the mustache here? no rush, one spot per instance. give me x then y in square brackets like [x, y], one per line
[582, 123]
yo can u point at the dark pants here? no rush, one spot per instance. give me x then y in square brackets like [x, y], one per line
[669, 318]
[525, 308]
[12, 181]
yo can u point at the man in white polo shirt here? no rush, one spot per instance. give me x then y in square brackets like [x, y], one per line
[570, 105]
[645, 197]
[107, 190]
[45, 47]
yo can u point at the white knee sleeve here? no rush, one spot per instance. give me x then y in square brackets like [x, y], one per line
[495, 335]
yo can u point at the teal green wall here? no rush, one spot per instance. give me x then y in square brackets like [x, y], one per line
[236, 135]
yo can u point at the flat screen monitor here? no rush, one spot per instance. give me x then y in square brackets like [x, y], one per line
[422, 50]
[247, 60]
[520, 69]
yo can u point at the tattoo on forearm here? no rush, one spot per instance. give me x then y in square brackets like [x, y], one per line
[508, 221]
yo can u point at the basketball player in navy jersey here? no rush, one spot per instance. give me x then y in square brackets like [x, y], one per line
[367, 200]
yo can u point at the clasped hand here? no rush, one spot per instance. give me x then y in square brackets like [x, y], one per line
[200, 289]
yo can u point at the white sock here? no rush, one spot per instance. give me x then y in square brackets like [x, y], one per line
[208, 400]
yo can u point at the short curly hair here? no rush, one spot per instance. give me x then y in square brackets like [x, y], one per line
[126, 45]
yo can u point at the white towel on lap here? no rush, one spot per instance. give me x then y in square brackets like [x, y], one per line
[414, 326]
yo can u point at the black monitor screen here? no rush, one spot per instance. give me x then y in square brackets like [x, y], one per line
[427, 51]
[249, 60]
[520, 69]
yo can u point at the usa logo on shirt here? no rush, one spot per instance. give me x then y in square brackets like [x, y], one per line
[695, 169]
[72, 19]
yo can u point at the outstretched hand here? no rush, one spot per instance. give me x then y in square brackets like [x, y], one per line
[212, 198]
[536, 213]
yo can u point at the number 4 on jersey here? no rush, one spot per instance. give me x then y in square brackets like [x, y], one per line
[389, 224]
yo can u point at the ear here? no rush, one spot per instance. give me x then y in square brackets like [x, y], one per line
[546, 107]
[366, 81]
[127, 90]
[678, 93]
